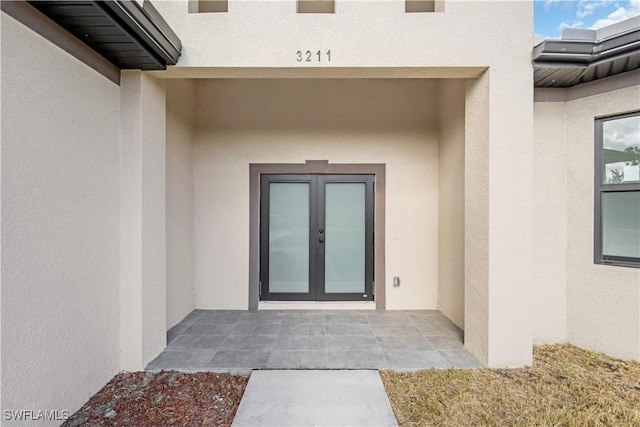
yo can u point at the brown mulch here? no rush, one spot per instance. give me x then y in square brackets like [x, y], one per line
[164, 399]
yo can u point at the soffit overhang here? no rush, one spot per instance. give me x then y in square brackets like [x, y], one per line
[127, 34]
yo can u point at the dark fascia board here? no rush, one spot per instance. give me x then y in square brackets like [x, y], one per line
[584, 52]
[143, 27]
[147, 25]
[30, 17]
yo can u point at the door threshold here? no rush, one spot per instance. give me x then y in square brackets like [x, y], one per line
[316, 305]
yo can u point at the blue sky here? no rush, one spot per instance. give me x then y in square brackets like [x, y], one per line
[552, 16]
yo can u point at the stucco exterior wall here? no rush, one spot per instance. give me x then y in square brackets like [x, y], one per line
[359, 34]
[451, 200]
[180, 132]
[60, 185]
[593, 306]
[143, 228]
[603, 302]
[549, 288]
[290, 121]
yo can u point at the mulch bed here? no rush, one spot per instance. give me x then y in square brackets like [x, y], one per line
[163, 399]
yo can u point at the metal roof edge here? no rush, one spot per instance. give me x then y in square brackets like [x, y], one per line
[148, 26]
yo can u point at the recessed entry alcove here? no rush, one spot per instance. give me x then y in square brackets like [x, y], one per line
[406, 135]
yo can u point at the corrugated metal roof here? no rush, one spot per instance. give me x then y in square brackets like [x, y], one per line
[585, 55]
[126, 34]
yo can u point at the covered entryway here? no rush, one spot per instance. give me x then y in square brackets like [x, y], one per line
[233, 341]
[316, 238]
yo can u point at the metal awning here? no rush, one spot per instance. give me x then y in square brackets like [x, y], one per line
[128, 35]
[585, 55]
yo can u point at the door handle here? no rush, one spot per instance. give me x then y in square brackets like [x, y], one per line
[321, 240]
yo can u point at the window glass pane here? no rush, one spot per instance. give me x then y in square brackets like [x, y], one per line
[345, 238]
[289, 237]
[621, 224]
[621, 150]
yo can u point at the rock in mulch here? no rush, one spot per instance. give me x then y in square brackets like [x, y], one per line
[167, 398]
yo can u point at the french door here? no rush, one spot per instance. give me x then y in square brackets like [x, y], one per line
[316, 238]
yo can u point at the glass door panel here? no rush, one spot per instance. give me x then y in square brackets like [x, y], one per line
[316, 238]
[344, 268]
[289, 237]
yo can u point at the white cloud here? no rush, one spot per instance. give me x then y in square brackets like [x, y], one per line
[549, 3]
[588, 7]
[620, 14]
[574, 24]
[622, 133]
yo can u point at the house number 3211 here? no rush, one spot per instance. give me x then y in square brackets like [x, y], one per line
[309, 56]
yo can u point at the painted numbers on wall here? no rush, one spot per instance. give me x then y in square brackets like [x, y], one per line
[310, 56]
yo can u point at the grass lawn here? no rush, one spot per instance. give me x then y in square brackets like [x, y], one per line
[566, 386]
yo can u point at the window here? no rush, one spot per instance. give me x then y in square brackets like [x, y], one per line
[617, 190]
[417, 6]
[316, 6]
[208, 6]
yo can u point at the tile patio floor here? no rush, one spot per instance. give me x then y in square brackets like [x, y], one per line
[237, 341]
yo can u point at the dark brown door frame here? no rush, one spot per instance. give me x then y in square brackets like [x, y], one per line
[316, 167]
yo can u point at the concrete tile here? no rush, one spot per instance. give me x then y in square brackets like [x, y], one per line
[426, 317]
[222, 316]
[298, 359]
[349, 329]
[175, 331]
[352, 343]
[439, 329]
[404, 343]
[461, 359]
[300, 342]
[357, 359]
[255, 329]
[387, 318]
[182, 359]
[249, 342]
[219, 329]
[421, 312]
[416, 359]
[191, 317]
[446, 343]
[303, 319]
[395, 330]
[321, 398]
[336, 317]
[197, 342]
[262, 317]
[236, 359]
[302, 329]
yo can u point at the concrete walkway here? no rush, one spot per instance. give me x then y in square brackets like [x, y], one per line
[315, 398]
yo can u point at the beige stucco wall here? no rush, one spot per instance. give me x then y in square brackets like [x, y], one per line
[549, 290]
[369, 33]
[180, 132]
[261, 39]
[290, 121]
[603, 302]
[593, 306]
[143, 229]
[60, 148]
[451, 111]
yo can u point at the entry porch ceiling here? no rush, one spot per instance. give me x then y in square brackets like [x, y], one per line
[582, 56]
[128, 35]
